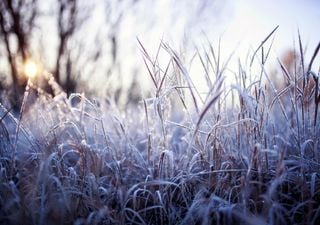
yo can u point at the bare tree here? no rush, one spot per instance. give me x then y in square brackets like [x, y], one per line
[18, 18]
[17, 22]
[67, 24]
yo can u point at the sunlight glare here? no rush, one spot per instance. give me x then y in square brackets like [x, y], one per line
[30, 69]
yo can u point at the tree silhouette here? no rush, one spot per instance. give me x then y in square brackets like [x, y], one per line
[17, 22]
[19, 25]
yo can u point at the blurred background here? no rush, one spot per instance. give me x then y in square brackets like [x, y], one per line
[92, 46]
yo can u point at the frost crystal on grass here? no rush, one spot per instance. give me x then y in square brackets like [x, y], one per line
[176, 158]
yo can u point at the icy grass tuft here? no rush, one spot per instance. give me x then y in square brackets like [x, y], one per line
[175, 158]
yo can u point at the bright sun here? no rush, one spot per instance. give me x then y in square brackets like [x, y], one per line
[30, 69]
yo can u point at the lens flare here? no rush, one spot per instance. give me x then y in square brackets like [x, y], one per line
[30, 69]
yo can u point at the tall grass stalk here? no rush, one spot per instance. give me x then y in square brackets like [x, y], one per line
[247, 153]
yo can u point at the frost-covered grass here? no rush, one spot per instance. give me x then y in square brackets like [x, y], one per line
[248, 154]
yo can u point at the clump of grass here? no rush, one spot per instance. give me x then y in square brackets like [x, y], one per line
[177, 158]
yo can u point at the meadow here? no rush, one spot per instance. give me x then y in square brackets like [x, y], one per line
[246, 153]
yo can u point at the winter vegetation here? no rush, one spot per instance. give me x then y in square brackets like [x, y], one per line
[240, 148]
[246, 153]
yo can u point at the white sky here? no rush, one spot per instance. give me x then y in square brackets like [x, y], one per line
[241, 24]
[253, 19]
[250, 21]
